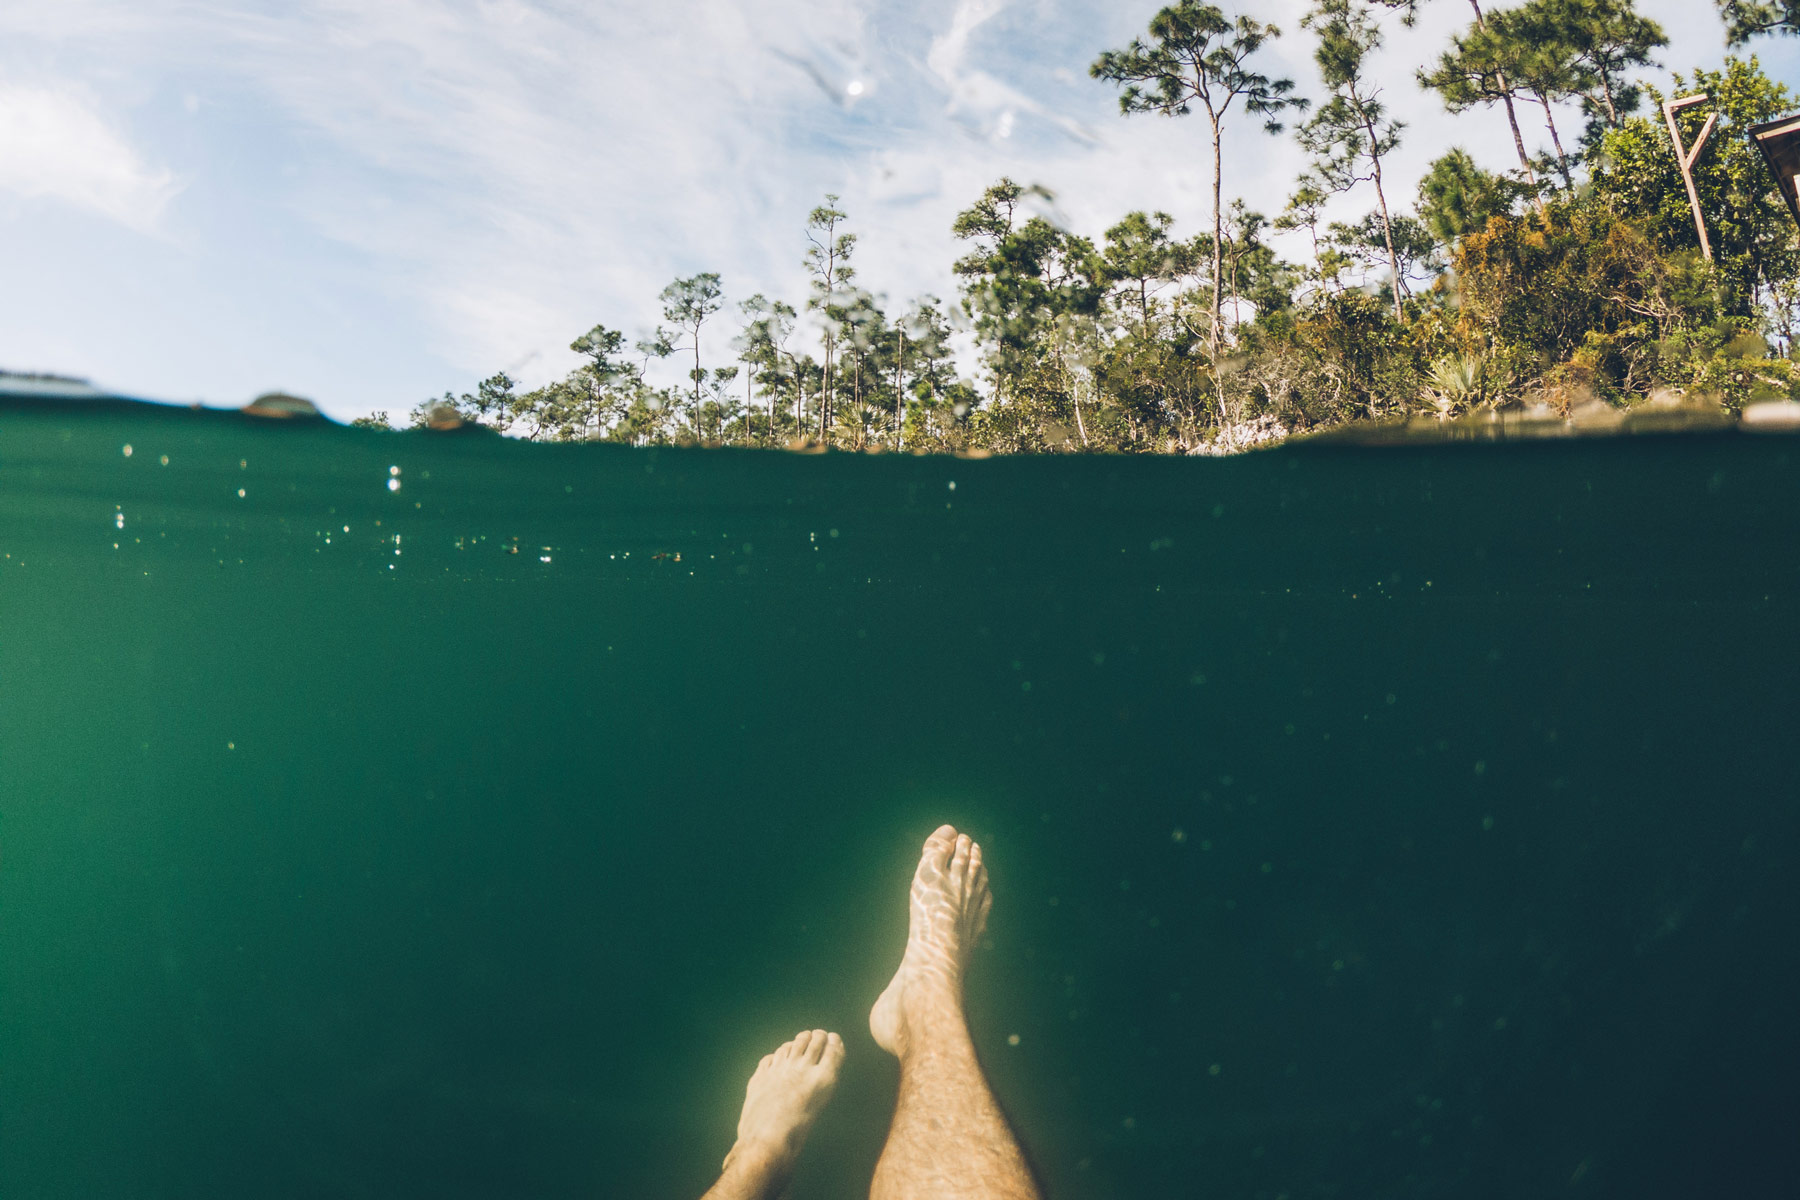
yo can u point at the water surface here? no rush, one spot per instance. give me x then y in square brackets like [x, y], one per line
[392, 815]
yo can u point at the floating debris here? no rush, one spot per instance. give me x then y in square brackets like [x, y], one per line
[1665, 412]
[1771, 416]
[443, 416]
[279, 406]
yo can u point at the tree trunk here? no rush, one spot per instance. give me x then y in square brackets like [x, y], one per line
[900, 396]
[1237, 308]
[1080, 425]
[1387, 224]
[1512, 118]
[824, 397]
[1562, 160]
[1218, 239]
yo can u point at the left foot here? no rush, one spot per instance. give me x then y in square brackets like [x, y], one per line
[785, 1097]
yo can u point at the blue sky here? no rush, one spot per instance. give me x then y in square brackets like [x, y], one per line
[368, 202]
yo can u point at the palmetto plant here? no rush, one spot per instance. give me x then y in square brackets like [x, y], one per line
[1460, 382]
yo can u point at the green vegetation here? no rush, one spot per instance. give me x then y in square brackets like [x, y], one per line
[1574, 279]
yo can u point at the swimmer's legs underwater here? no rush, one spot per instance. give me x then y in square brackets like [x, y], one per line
[949, 1140]
[784, 1098]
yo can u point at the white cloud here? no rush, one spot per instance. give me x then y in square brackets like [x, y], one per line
[55, 143]
[978, 99]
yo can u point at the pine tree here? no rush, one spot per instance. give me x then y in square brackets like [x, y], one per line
[1352, 128]
[1745, 19]
[761, 348]
[687, 305]
[1199, 56]
[1473, 72]
[828, 262]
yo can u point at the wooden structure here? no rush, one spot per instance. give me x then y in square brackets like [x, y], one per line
[1779, 142]
[1686, 158]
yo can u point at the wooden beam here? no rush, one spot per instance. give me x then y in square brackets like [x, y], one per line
[1779, 141]
[1686, 158]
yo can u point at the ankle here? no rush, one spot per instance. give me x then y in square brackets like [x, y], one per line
[929, 1015]
[760, 1159]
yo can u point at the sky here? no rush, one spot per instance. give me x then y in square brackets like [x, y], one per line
[370, 202]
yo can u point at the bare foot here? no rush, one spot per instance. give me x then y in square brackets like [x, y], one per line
[948, 911]
[784, 1098]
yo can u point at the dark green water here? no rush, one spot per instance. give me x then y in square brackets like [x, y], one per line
[1407, 822]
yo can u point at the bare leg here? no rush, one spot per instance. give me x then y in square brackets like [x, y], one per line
[785, 1097]
[949, 1140]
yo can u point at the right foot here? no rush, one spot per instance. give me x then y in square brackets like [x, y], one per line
[784, 1098]
[948, 911]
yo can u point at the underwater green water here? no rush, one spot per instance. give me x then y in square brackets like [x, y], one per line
[1403, 822]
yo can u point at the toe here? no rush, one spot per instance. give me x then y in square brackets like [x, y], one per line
[815, 1047]
[834, 1050]
[938, 847]
[959, 861]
